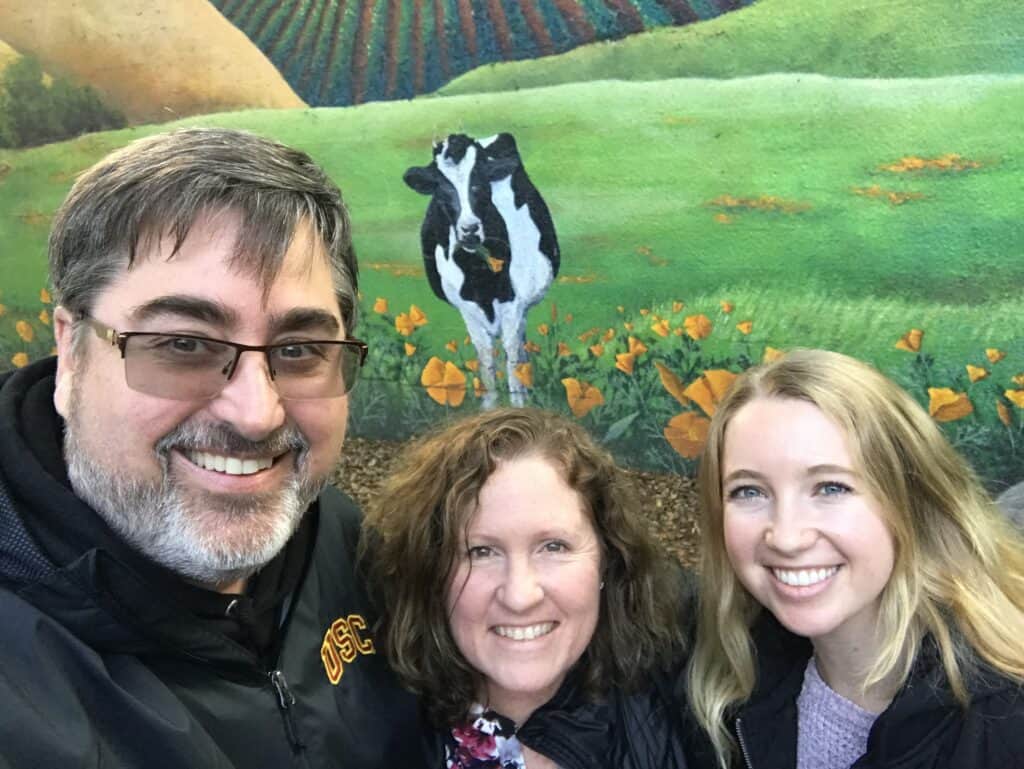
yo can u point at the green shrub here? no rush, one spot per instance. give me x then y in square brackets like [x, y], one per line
[33, 112]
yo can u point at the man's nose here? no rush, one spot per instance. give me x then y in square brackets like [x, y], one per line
[521, 588]
[790, 529]
[250, 401]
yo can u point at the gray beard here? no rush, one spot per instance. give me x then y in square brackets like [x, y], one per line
[183, 528]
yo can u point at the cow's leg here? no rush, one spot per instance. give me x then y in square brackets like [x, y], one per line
[513, 339]
[481, 333]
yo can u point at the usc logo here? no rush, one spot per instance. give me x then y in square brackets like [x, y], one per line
[342, 644]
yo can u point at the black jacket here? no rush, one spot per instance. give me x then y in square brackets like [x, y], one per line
[924, 726]
[104, 661]
[622, 731]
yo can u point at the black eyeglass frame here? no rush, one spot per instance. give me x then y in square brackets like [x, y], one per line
[119, 339]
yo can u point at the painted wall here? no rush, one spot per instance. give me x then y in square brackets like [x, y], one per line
[788, 173]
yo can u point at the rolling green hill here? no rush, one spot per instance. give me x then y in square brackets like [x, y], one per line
[859, 38]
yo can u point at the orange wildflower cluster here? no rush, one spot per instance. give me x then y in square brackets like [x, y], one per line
[892, 197]
[761, 203]
[910, 341]
[407, 322]
[687, 432]
[951, 161]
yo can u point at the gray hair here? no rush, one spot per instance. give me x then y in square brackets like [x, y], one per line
[159, 186]
[1011, 502]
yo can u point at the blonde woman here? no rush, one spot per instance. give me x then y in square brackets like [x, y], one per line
[862, 599]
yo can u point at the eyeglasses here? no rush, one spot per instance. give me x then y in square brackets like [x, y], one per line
[186, 367]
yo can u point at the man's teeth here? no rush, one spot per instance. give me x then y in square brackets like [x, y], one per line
[803, 577]
[229, 465]
[527, 633]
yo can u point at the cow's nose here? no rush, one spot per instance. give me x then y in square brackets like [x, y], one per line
[471, 229]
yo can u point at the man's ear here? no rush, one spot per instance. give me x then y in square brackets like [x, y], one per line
[66, 363]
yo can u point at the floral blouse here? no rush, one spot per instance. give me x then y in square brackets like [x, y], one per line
[487, 742]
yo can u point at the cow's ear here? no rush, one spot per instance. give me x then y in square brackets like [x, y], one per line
[502, 157]
[423, 179]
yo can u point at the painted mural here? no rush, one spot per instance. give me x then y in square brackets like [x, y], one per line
[605, 207]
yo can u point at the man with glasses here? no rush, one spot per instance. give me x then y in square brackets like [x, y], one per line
[177, 582]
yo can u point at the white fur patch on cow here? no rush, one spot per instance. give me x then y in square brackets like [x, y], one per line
[530, 270]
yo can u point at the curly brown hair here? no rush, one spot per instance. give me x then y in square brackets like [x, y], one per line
[415, 534]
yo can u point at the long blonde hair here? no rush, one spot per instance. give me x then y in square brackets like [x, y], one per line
[959, 571]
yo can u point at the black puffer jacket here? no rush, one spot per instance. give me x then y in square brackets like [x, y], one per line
[634, 731]
[102, 666]
[923, 728]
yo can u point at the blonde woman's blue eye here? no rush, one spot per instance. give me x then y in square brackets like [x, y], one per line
[833, 488]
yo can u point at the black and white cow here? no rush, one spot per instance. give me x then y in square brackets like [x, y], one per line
[489, 246]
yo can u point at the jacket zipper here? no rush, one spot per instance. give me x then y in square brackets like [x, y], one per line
[285, 700]
[743, 744]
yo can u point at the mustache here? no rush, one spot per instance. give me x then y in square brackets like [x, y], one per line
[221, 438]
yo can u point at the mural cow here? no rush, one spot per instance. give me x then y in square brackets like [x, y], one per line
[489, 246]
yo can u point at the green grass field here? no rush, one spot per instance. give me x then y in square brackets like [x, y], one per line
[833, 212]
[853, 38]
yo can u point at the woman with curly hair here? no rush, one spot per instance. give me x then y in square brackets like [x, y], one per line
[862, 599]
[523, 598]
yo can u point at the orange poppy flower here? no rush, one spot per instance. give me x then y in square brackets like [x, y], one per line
[708, 390]
[727, 306]
[976, 373]
[444, 382]
[624, 362]
[19, 359]
[661, 328]
[563, 349]
[745, 326]
[543, 329]
[404, 324]
[496, 265]
[380, 306]
[947, 406]
[628, 326]
[531, 347]
[44, 317]
[687, 433]
[673, 384]
[770, 354]
[417, 316]
[452, 346]
[994, 355]
[609, 335]
[409, 349]
[472, 365]
[568, 317]
[597, 349]
[25, 330]
[582, 397]
[524, 373]
[644, 312]
[911, 341]
[478, 388]
[635, 346]
[1018, 380]
[1004, 413]
[678, 306]
[698, 326]
[44, 296]
[1016, 397]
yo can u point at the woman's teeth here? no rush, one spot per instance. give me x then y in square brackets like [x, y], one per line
[229, 465]
[527, 633]
[803, 577]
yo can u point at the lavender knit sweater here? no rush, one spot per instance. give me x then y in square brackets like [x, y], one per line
[832, 732]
